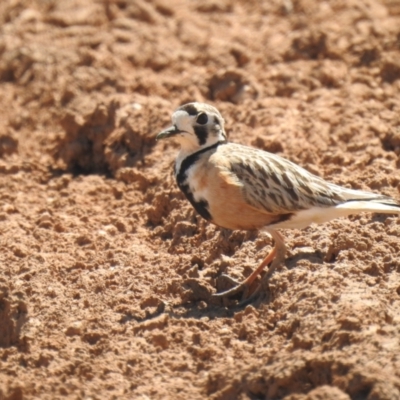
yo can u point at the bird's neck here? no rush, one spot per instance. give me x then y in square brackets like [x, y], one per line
[186, 153]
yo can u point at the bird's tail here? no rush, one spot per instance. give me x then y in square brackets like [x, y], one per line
[384, 205]
[319, 215]
[361, 201]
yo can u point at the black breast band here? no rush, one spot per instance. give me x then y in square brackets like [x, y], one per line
[200, 206]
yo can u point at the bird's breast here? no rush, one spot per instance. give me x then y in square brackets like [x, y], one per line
[192, 183]
[216, 194]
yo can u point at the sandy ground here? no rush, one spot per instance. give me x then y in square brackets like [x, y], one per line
[106, 270]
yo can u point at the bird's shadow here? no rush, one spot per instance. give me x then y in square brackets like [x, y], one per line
[227, 309]
[222, 308]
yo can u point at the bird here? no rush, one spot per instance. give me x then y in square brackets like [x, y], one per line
[239, 187]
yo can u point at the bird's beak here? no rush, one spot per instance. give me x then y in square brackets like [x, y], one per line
[171, 131]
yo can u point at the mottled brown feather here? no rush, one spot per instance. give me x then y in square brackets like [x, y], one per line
[273, 184]
[226, 198]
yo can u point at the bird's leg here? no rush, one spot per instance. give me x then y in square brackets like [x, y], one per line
[250, 279]
[280, 250]
[277, 253]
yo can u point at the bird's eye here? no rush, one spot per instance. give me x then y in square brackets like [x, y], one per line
[202, 119]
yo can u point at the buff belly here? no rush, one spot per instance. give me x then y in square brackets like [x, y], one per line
[223, 194]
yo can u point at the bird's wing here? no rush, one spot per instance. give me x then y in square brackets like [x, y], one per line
[276, 185]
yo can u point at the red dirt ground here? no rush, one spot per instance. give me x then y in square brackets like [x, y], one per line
[105, 268]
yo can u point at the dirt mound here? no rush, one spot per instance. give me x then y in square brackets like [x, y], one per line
[103, 135]
[107, 271]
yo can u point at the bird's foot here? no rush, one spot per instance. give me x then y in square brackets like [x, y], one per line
[243, 287]
[260, 293]
[249, 288]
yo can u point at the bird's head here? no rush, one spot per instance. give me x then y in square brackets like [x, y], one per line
[195, 126]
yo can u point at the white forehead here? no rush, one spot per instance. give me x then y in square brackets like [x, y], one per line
[183, 120]
[180, 115]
